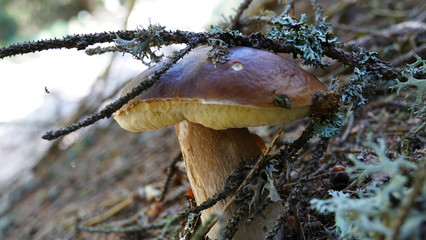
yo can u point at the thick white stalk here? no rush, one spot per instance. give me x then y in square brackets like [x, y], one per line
[210, 156]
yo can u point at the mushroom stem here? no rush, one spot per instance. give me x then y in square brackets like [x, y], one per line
[210, 156]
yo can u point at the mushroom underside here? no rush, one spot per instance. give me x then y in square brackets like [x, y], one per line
[142, 115]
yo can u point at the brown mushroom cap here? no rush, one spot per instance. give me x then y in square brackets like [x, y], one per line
[239, 93]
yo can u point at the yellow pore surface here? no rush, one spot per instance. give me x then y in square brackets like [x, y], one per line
[142, 115]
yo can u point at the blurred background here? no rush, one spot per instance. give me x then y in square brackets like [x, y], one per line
[51, 89]
[47, 187]
[41, 91]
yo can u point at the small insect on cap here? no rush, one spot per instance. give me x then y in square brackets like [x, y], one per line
[253, 88]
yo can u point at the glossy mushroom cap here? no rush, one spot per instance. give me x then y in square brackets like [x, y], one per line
[239, 93]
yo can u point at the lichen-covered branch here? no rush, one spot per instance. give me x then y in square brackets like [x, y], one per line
[347, 56]
[278, 225]
[78, 41]
[351, 57]
[82, 41]
[234, 180]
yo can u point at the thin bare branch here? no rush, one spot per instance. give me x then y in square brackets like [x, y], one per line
[135, 228]
[170, 172]
[116, 105]
[235, 23]
[289, 7]
[318, 11]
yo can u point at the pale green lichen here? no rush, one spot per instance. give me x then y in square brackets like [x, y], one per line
[373, 213]
[362, 85]
[219, 52]
[416, 87]
[141, 47]
[311, 40]
[330, 126]
[261, 187]
[357, 93]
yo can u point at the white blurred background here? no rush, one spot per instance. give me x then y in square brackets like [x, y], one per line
[41, 91]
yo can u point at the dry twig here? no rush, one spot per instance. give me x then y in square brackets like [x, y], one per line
[235, 24]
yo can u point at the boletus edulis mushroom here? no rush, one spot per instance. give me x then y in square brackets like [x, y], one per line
[211, 106]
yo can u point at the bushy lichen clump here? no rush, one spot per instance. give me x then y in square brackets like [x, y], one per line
[141, 46]
[362, 85]
[376, 211]
[311, 40]
[417, 87]
[357, 93]
[329, 127]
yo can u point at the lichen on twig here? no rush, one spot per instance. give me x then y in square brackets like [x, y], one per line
[418, 106]
[310, 40]
[375, 211]
[141, 45]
